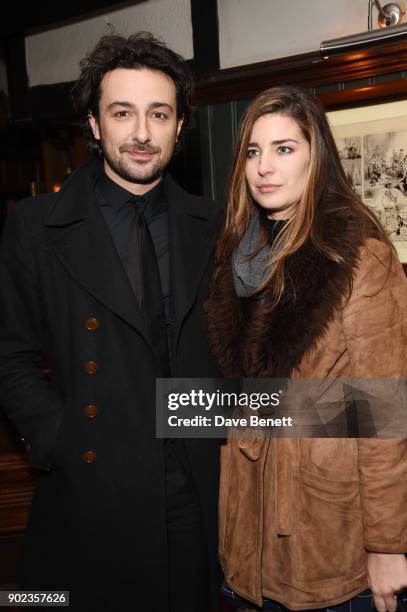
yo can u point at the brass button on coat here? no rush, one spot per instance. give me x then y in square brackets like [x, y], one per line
[89, 456]
[92, 324]
[90, 367]
[90, 410]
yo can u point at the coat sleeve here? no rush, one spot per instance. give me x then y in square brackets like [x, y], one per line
[26, 396]
[375, 325]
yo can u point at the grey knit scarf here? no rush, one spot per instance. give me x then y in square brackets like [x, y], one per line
[248, 274]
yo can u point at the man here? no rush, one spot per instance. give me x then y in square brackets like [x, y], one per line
[108, 277]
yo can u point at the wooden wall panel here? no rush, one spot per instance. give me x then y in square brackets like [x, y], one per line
[16, 488]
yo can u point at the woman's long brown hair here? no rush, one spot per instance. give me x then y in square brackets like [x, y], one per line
[327, 189]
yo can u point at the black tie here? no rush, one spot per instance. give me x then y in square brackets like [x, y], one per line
[145, 280]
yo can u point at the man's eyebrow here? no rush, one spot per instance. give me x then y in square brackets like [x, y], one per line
[161, 104]
[274, 142]
[125, 104]
[120, 103]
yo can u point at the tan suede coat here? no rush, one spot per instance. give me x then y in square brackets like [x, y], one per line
[297, 516]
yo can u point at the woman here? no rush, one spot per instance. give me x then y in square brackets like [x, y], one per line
[307, 286]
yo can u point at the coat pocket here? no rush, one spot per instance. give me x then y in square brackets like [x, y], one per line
[329, 531]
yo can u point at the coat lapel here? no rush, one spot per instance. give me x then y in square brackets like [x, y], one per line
[193, 226]
[83, 244]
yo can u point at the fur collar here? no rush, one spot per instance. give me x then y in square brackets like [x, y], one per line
[251, 338]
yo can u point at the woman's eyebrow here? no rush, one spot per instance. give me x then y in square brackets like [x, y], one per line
[274, 142]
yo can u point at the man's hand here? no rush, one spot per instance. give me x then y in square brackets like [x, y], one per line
[387, 575]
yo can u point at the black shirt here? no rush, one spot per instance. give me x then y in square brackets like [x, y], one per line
[118, 213]
[272, 226]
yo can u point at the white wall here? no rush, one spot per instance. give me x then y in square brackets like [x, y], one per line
[53, 56]
[249, 31]
[257, 30]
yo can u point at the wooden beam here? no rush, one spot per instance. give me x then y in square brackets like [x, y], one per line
[307, 70]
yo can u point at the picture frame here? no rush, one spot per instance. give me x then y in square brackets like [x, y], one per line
[372, 144]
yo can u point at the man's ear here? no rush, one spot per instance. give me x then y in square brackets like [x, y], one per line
[179, 125]
[93, 122]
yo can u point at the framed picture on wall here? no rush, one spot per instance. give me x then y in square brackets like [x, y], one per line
[372, 145]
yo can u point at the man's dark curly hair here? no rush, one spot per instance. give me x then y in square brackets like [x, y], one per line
[139, 50]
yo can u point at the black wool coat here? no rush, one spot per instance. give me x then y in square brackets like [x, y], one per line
[97, 524]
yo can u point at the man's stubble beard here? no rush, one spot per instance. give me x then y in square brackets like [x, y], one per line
[139, 172]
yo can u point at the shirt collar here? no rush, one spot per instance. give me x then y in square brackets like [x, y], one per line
[116, 196]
